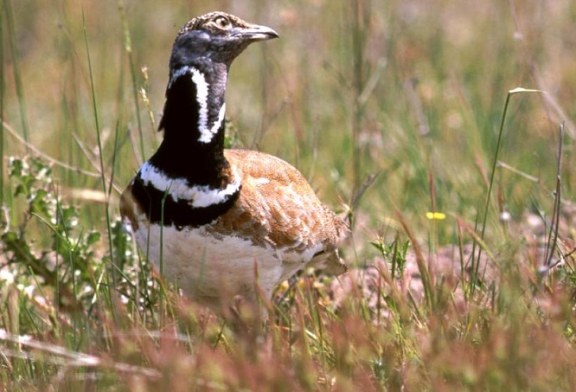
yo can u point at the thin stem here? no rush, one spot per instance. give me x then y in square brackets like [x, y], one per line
[552, 242]
[2, 87]
[495, 160]
[133, 75]
[100, 155]
[16, 68]
[358, 38]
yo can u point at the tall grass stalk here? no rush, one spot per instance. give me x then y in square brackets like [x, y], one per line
[360, 28]
[113, 268]
[263, 75]
[552, 240]
[16, 67]
[133, 75]
[2, 90]
[423, 268]
[476, 257]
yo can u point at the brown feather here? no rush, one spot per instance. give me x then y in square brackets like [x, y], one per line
[278, 206]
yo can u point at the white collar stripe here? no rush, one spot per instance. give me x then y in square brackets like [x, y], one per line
[206, 134]
[198, 196]
[202, 89]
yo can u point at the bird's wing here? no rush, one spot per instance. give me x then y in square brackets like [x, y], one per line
[277, 206]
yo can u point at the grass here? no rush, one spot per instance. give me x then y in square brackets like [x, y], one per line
[402, 114]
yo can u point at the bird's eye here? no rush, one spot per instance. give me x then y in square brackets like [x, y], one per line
[222, 22]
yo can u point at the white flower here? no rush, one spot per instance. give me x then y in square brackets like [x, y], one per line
[6, 276]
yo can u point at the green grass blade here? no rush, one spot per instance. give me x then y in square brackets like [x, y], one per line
[113, 269]
[16, 66]
[2, 92]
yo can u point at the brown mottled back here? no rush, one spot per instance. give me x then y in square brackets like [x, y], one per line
[277, 206]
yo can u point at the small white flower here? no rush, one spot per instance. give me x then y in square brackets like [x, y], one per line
[6, 276]
[505, 216]
[29, 291]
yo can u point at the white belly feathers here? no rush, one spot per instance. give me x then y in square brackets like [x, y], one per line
[205, 266]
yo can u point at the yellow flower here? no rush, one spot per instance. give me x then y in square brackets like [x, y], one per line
[435, 215]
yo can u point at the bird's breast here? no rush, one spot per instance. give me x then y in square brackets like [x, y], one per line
[205, 265]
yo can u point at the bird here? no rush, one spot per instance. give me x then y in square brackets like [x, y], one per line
[219, 223]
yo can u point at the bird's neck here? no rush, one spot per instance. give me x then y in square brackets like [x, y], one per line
[188, 182]
[193, 124]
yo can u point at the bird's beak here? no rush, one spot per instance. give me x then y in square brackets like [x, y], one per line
[255, 32]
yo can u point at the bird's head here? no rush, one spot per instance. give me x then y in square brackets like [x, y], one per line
[215, 37]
